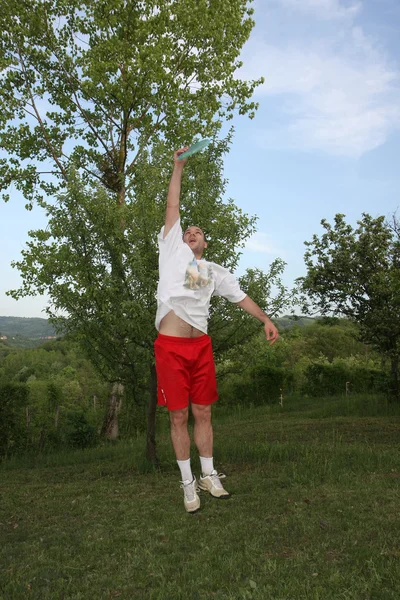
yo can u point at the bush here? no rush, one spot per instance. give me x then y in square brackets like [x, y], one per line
[257, 386]
[330, 379]
[13, 433]
[79, 433]
[73, 430]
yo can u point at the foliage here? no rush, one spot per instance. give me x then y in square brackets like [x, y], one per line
[67, 400]
[287, 321]
[259, 385]
[91, 90]
[90, 84]
[230, 328]
[299, 344]
[314, 360]
[340, 377]
[13, 399]
[20, 342]
[338, 338]
[51, 398]
[26, 327]
[74, 260]
[80, 433]
[356, 273]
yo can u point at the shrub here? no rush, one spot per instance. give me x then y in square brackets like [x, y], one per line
[330, 379]
[79, 433]
[259, 385]
[13, 400]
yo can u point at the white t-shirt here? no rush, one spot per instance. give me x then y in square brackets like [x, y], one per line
[187, 284]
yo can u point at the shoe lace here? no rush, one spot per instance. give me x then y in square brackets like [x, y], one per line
[189, 489]
[216, 477]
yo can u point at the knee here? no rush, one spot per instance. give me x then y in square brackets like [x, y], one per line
[178, 418]
[201, 413]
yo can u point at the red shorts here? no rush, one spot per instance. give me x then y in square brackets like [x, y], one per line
[185, 371]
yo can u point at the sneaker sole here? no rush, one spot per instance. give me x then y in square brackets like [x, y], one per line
[223, 497]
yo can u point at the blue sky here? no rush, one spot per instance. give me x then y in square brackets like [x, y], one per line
[325, 140]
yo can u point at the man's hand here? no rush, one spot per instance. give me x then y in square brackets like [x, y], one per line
[271, 332]
[180, 163]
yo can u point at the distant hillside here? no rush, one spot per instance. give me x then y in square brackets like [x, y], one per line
[30, 328]
[35, 329]
[288, 321]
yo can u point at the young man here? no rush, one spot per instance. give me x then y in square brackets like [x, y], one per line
[184, 357]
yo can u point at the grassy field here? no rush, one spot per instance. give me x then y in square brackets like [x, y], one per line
[314, 513]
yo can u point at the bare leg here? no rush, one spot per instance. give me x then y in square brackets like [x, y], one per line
[179, 433]
[203, 437]
[203, 431]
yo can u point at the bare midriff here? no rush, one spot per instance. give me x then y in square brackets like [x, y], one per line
[171, 324]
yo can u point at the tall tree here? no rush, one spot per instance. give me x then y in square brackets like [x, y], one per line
[356, 273]
[86, 88]
[114, 317]
[90, 84]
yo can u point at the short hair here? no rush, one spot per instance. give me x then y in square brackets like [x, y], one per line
[202, 231]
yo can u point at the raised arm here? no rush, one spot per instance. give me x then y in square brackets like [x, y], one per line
[174, 192]
[271, 332]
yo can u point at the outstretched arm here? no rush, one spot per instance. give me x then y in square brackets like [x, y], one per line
[174, 192]
[271, 332]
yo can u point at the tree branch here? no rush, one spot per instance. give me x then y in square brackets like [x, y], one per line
[39, 119]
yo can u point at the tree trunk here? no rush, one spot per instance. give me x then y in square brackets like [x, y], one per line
[110, 423]
[151, 419]
[56, 416]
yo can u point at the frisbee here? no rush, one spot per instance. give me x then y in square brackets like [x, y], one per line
[197, 147]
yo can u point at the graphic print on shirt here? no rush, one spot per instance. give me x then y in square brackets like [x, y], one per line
[197, 275]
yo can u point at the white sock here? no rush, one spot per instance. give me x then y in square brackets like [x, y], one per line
[186, 471]
[207, 465]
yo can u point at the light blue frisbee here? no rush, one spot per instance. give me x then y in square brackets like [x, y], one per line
[197, 147]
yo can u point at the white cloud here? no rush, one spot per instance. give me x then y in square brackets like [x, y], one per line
[325, 9]
[260, 242]
[339, 94]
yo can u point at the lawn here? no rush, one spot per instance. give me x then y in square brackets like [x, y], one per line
[314, 514]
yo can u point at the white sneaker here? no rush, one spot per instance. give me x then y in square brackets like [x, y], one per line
[212, 483]
[191, 499]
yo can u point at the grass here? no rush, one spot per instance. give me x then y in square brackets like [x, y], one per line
[314, 514]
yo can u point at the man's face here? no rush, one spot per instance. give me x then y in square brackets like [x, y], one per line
[194, 238]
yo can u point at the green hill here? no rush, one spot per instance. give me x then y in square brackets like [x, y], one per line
[26, 332]
[289, 321]
[31, 328]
